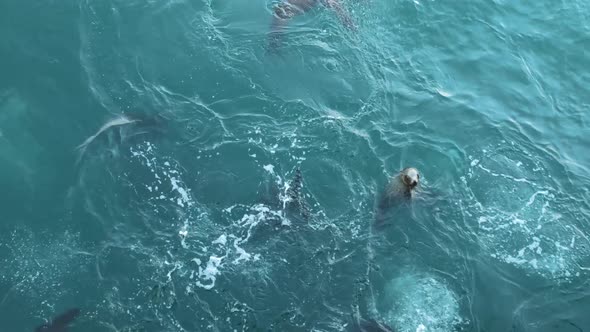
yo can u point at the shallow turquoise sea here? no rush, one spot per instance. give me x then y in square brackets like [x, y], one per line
[146, 149]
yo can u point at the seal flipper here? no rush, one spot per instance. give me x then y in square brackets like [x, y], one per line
[61, 322]
[372, 325]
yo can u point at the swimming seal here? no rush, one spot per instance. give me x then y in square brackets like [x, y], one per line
[288, 9]
[60, 323]
[400, 189]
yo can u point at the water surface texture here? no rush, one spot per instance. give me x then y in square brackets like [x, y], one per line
[147, 151]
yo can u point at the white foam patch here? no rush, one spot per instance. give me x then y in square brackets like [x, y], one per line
[184, 199]
[283, 196]
[208, 275]
[211, 260]
[209, 255]
[163, 170]
[421, 302]
[222, 239]
[183, 233]
[269, 168]
[230, 247]
[242, 254]
[258, 213]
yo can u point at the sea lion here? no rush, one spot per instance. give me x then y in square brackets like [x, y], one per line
[288, 9]
[61, 322]
[400, 189]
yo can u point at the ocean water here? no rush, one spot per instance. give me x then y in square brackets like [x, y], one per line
[147, 149]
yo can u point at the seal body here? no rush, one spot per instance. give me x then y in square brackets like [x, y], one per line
[288, 9]
[401, 189]
[61, 322]
[295, 200]
[290, 199]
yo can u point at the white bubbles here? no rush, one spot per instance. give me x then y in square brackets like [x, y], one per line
[520, 216]
[184, 198]
[208, 275]
[229, 247]
[222, 240]
[166, 182]
[420, 302]
[211, 250]
[41, 267]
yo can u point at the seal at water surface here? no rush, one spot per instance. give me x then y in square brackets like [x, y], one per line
[288, 9]
[401, 188]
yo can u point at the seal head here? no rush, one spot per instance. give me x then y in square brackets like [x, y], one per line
[410, 177]
[400, 190]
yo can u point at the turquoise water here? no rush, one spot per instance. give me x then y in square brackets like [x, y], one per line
[172, 223]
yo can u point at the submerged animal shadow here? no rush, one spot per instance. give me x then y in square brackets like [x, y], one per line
[290, 199]
[61, 322]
